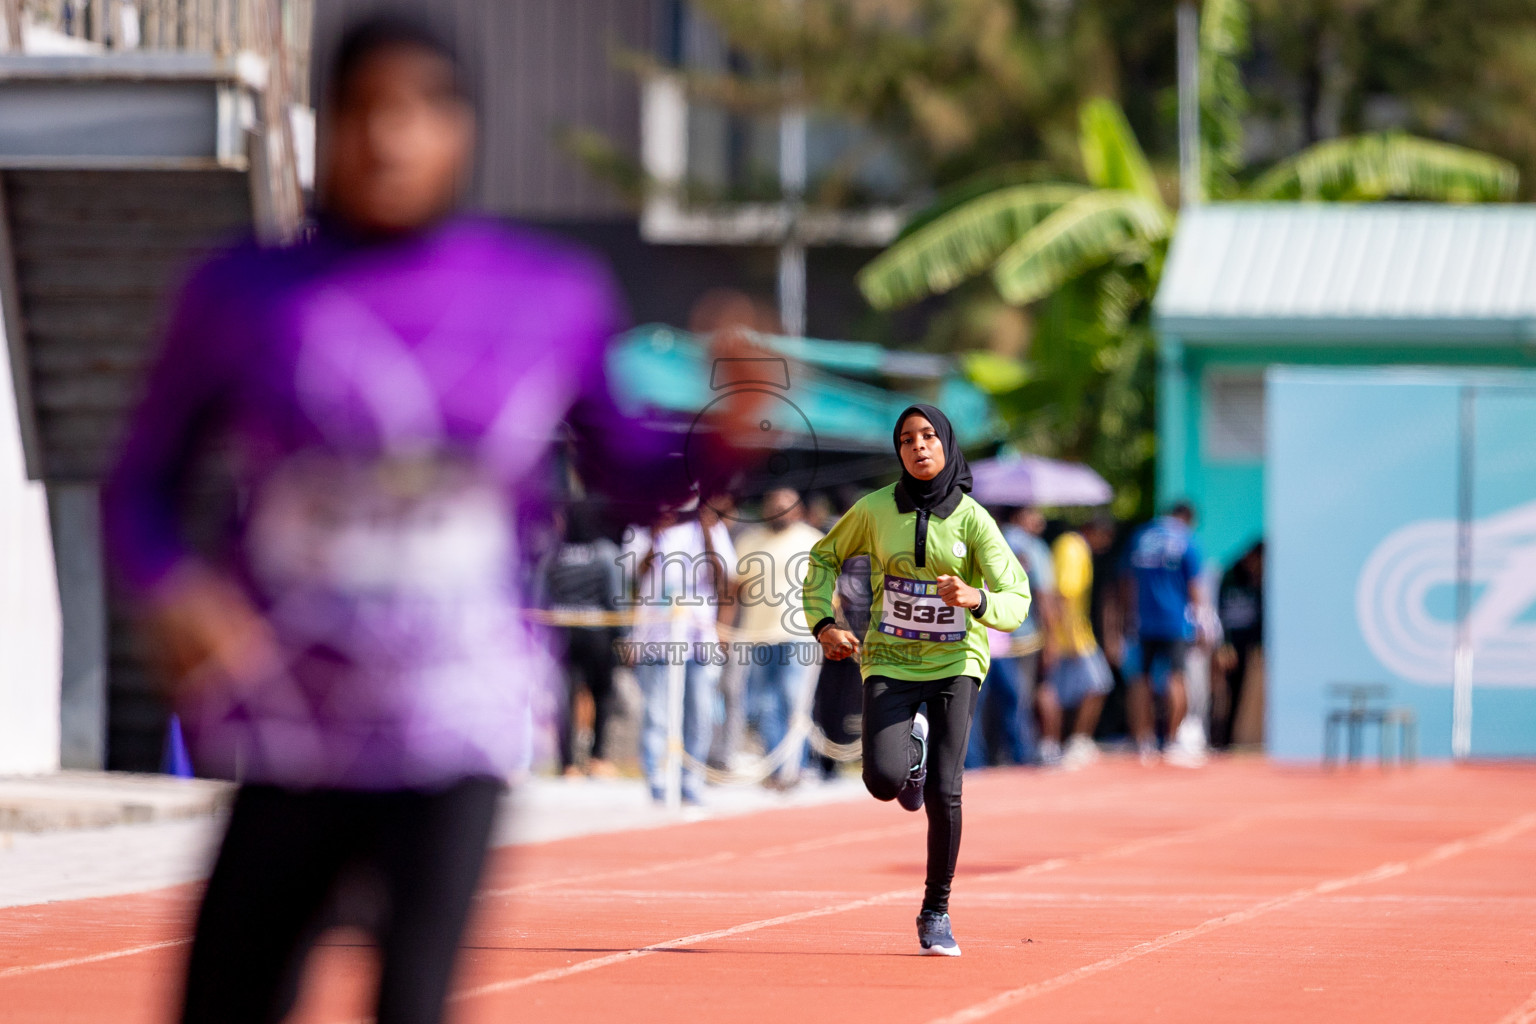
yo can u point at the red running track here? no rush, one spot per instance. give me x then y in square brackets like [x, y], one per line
[1242, 892]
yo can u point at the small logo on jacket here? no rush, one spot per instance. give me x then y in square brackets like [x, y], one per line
[959, 549]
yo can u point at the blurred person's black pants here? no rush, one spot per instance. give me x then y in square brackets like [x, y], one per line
[1223, 724]
[416, 854]
[589, 661]
[890, 753]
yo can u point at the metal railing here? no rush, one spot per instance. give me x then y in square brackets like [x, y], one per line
[222, 27]
[278, 32]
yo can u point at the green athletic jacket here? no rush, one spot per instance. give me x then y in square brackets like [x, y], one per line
[962, 540]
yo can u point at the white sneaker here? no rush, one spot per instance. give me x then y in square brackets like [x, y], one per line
[1080, 753]
[1049, 752]
[1147, 754]
[1182, 757]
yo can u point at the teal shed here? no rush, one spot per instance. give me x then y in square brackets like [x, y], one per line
[1248, 287]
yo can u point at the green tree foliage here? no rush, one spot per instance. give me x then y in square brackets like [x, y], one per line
[1043, 130]
[1224, 42]
[958, 86]
[1463, 72]
[1091, 257]
[1389, 166]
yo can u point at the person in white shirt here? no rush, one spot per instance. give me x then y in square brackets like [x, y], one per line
[774, 636]
[684, 564]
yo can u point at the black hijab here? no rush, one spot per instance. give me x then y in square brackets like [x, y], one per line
[939, 496]
[954, 478]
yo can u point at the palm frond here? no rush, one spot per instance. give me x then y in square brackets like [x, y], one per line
[959, 244]
[1112, 158]
[975, 186]
[993, 373]
[1392, 165]
[1091, 230]
[1224, 42]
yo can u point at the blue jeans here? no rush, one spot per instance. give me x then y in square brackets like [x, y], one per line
[1004, 722]
[699, 681]
[773, 689]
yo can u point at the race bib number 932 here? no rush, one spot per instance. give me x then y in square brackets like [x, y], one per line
[914, 610]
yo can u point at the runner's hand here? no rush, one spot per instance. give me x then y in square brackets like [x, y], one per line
[207, 632]
[958, 593]
[838, 644]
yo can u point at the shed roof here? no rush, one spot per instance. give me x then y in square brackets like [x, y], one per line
[662, 368]
[1389, 272]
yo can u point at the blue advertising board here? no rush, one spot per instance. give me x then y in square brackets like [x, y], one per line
[1362, 514]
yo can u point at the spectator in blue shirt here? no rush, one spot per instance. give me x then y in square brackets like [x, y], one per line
[1164, 569]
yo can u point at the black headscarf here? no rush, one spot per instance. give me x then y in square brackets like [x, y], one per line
[939, 496]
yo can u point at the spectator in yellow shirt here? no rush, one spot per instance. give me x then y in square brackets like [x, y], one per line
[1080, 676]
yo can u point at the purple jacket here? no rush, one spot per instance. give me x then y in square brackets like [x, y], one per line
[388, 410]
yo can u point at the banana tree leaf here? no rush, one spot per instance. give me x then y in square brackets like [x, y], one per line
[1088, 232]
[960, 244]
[1112, 158]
[982, 183]
[1389, 166]
[995, 374]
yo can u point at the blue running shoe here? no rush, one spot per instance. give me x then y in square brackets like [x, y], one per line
[910, 795]
[934, 933]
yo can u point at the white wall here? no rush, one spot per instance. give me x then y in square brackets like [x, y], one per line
[30, 630]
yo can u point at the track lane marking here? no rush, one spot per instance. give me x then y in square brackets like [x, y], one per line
[1108, 795]
[912, 892]
[1391, 869]
[56, 965]
[726, 856]
[1105, 795]
[1525, 1013]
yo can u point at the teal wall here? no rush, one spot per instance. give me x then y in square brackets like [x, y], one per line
[1365, 470]
[1229, 495]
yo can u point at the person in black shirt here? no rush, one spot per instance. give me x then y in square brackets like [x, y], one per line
[583, 576]
[1240, 603]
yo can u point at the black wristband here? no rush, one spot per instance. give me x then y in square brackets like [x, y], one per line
[823, 624]
[980, 609]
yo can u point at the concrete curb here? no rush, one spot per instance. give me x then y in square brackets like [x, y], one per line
[86, 800]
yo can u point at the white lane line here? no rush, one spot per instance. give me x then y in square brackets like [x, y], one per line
[1392, 869]
[555, 974]
[1122, 850]
[1525, 1013]
[802, 846]
[56, 965]
[918, 824]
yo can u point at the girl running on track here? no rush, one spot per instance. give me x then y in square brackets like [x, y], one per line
[931, 548]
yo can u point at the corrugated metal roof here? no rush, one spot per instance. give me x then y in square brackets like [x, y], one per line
[1293, 269]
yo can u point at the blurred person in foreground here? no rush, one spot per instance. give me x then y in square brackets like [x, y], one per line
[1240, 604]
[355, 651]
[1163, 591]
[1015, 692]
[942, 576]
[1080, 676]
[684, 568]
[772, 628]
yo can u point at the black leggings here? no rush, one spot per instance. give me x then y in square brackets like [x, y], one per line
[274, 887]
[589, 660]
[1223, 724]
[890, 753]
